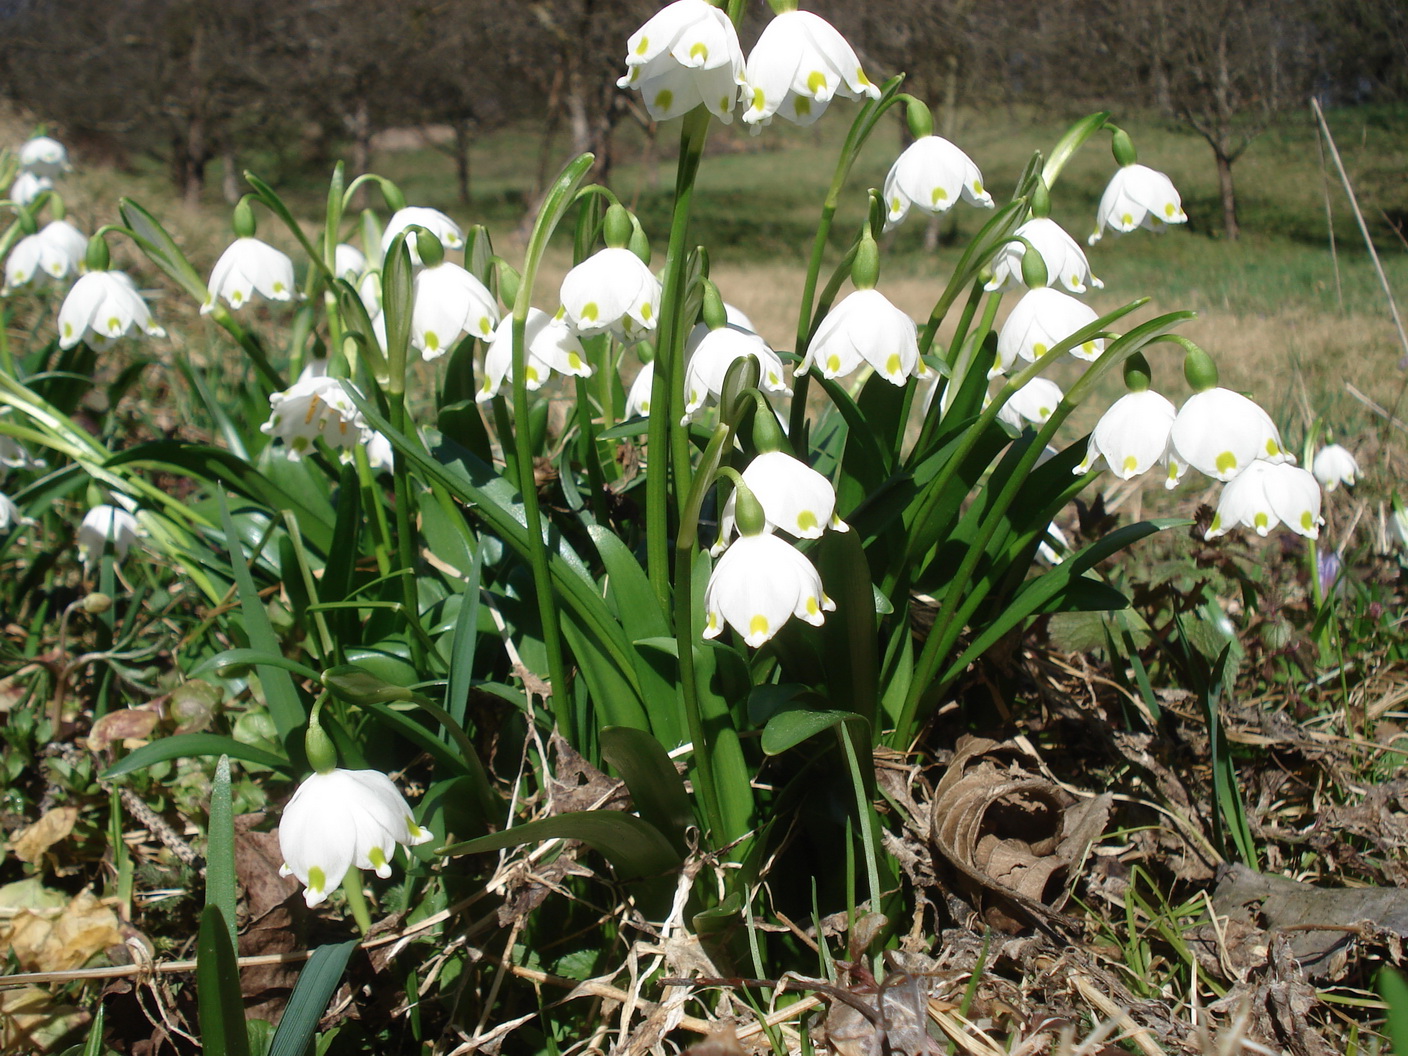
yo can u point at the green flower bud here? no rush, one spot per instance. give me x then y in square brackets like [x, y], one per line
[743, 374]
[865, 269]
[430, 248]
[1199, 369]
[1123, 148]
[767, 430]
[57, 209]
[748, 511]
[919, 119]
[713, 311]
[243, 220]
[508, 281]
[96, 603]
[1137, 375]
[96, 258]
[1034, 274]
[616, 228]
[1041, 199]
[646, 351]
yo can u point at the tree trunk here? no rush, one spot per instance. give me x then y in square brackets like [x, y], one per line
[359, 125]
[462, 160]
[230, 176]
[1228, 192]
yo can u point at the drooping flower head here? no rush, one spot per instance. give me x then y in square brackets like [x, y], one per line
[1333, 466]
[932, 174]
[247, 271]
[44, 156]
[450, 234]
[447, 302]
[757, 584]
[1137, 196]
[712, 351]
[108, 524]
[52, 253]
[612, 291]
[686, 54]
[798, 65]
[348, 262]
[9, 513]
[638, 398]
[102, 307]
[1064, 259]
[1034, 402]
[1040, 321]
[312, 408]
[1132, 436]
[1264, 494]
[794, 497]
[1220, 432]
[28, 186]
[548, 344]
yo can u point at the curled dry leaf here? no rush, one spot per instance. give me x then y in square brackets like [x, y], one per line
[55, 941]
[1012, 834]
[132, 726]
[32, 841]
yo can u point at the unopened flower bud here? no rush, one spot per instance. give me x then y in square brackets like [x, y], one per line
[97, 603]
[430, 248]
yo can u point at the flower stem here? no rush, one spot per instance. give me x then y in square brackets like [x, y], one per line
[356, 901]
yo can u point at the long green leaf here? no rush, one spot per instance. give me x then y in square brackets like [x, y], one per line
[162, 249]
[190, 745]
[656, 787]
[222, 1024]
[220, 849]
[635, 848]
[1394, 991]
[310, 997]
[797, 722]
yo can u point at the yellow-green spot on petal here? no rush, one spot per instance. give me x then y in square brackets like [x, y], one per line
[812, 607]
[644, 406]
[485, 327]
[68, 329]
[725, 103]
[1226, 462]
[861, 78]
[317, 880]
[635, 75]
[892, 365]
[643, 46]
[978, 188]
[1043, 413]
[561, 312]
[377, 857]
[773, 379]
[1216, 522]
[1039, 348]
[1172, 471]
[279, 287]
[531, 373]
[1075, 280]
[1261, 521]
[115, 325]
[1127, 219]
[1088, 348]
[938, 195]
[647, 311]
[589, 312]
[415, 830]
[574, 361]
[1306, 521]
[713, 622]
[1273, 448]
[1170, 209]
[816, 81]
[432, 341]
[802, 105]
[758, 625]
[806, 521]
[895, 204]
[1130, 463]
[699, 51]
[833, 363]
[760, 101]
[663, 99]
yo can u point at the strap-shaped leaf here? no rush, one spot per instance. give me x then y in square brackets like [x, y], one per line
[310, 998]
[222, 1023]
[635, 848]
[655, 785]
[190, 745]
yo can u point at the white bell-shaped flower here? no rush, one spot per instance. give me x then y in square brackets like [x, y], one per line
[380, 457]
[1034, 402]
[52, 253]
[932, 174]
[448, 301]
[686, 54]
[1132, 436]
[1333, 466]
[450, 234]
[13, 454]
[312, 408]
[757, 584]
[799, 63]
[28, 186]
[1040, 321]
[612, 291]
[348, 262]
[794, 497]
[712, 352]
[10, 515]
[107, 524]
[1137, 196]
[638, 398]
[1065, 260]
[548, 344]
[248, 270]
[866, 328]
[44, 156]
[102, 307]
[1265, 494]
[341, 819]
[1220, 432]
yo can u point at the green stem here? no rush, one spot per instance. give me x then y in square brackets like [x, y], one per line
[684, 639]
[356, 901]
[590, 455]
[667, 388]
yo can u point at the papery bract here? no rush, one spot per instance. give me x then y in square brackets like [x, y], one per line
[102, 307]
[248, 269]
[686, 54]
[932, 174]
[340, 819]
[548, 344]
[1042, 319]
[1132, 436]
[1137, 196]
[612, 291]
[448, 302]
[799, 63]
[54, 252]
[711, 352]
[1065, 260]
[1333, 466]
[866, 328]
[757, 584]
[1265, 494]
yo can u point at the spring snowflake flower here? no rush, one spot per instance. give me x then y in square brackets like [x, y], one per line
[107, 524]
[450, 234]
[799, 63]
[1065, 260]
[549, 344]
[1137, 196]
[612, 291]
[866, 328]
[757, 584]
[794, 497]
[686, 54]
[712, 352]
[1034, 402]
[638, 399]
[54, 252]
[448, 302]
[315, 407]
[341, 819]
[1266, 494]
[380, 457]
[1334, 466]
[932, 174]
[247, 270]
[1042, 319]
[1220, 432]
[348, 262]
[28, 186]
[102, 307]
[10, 515]
[1132, 436]
[44, 156]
